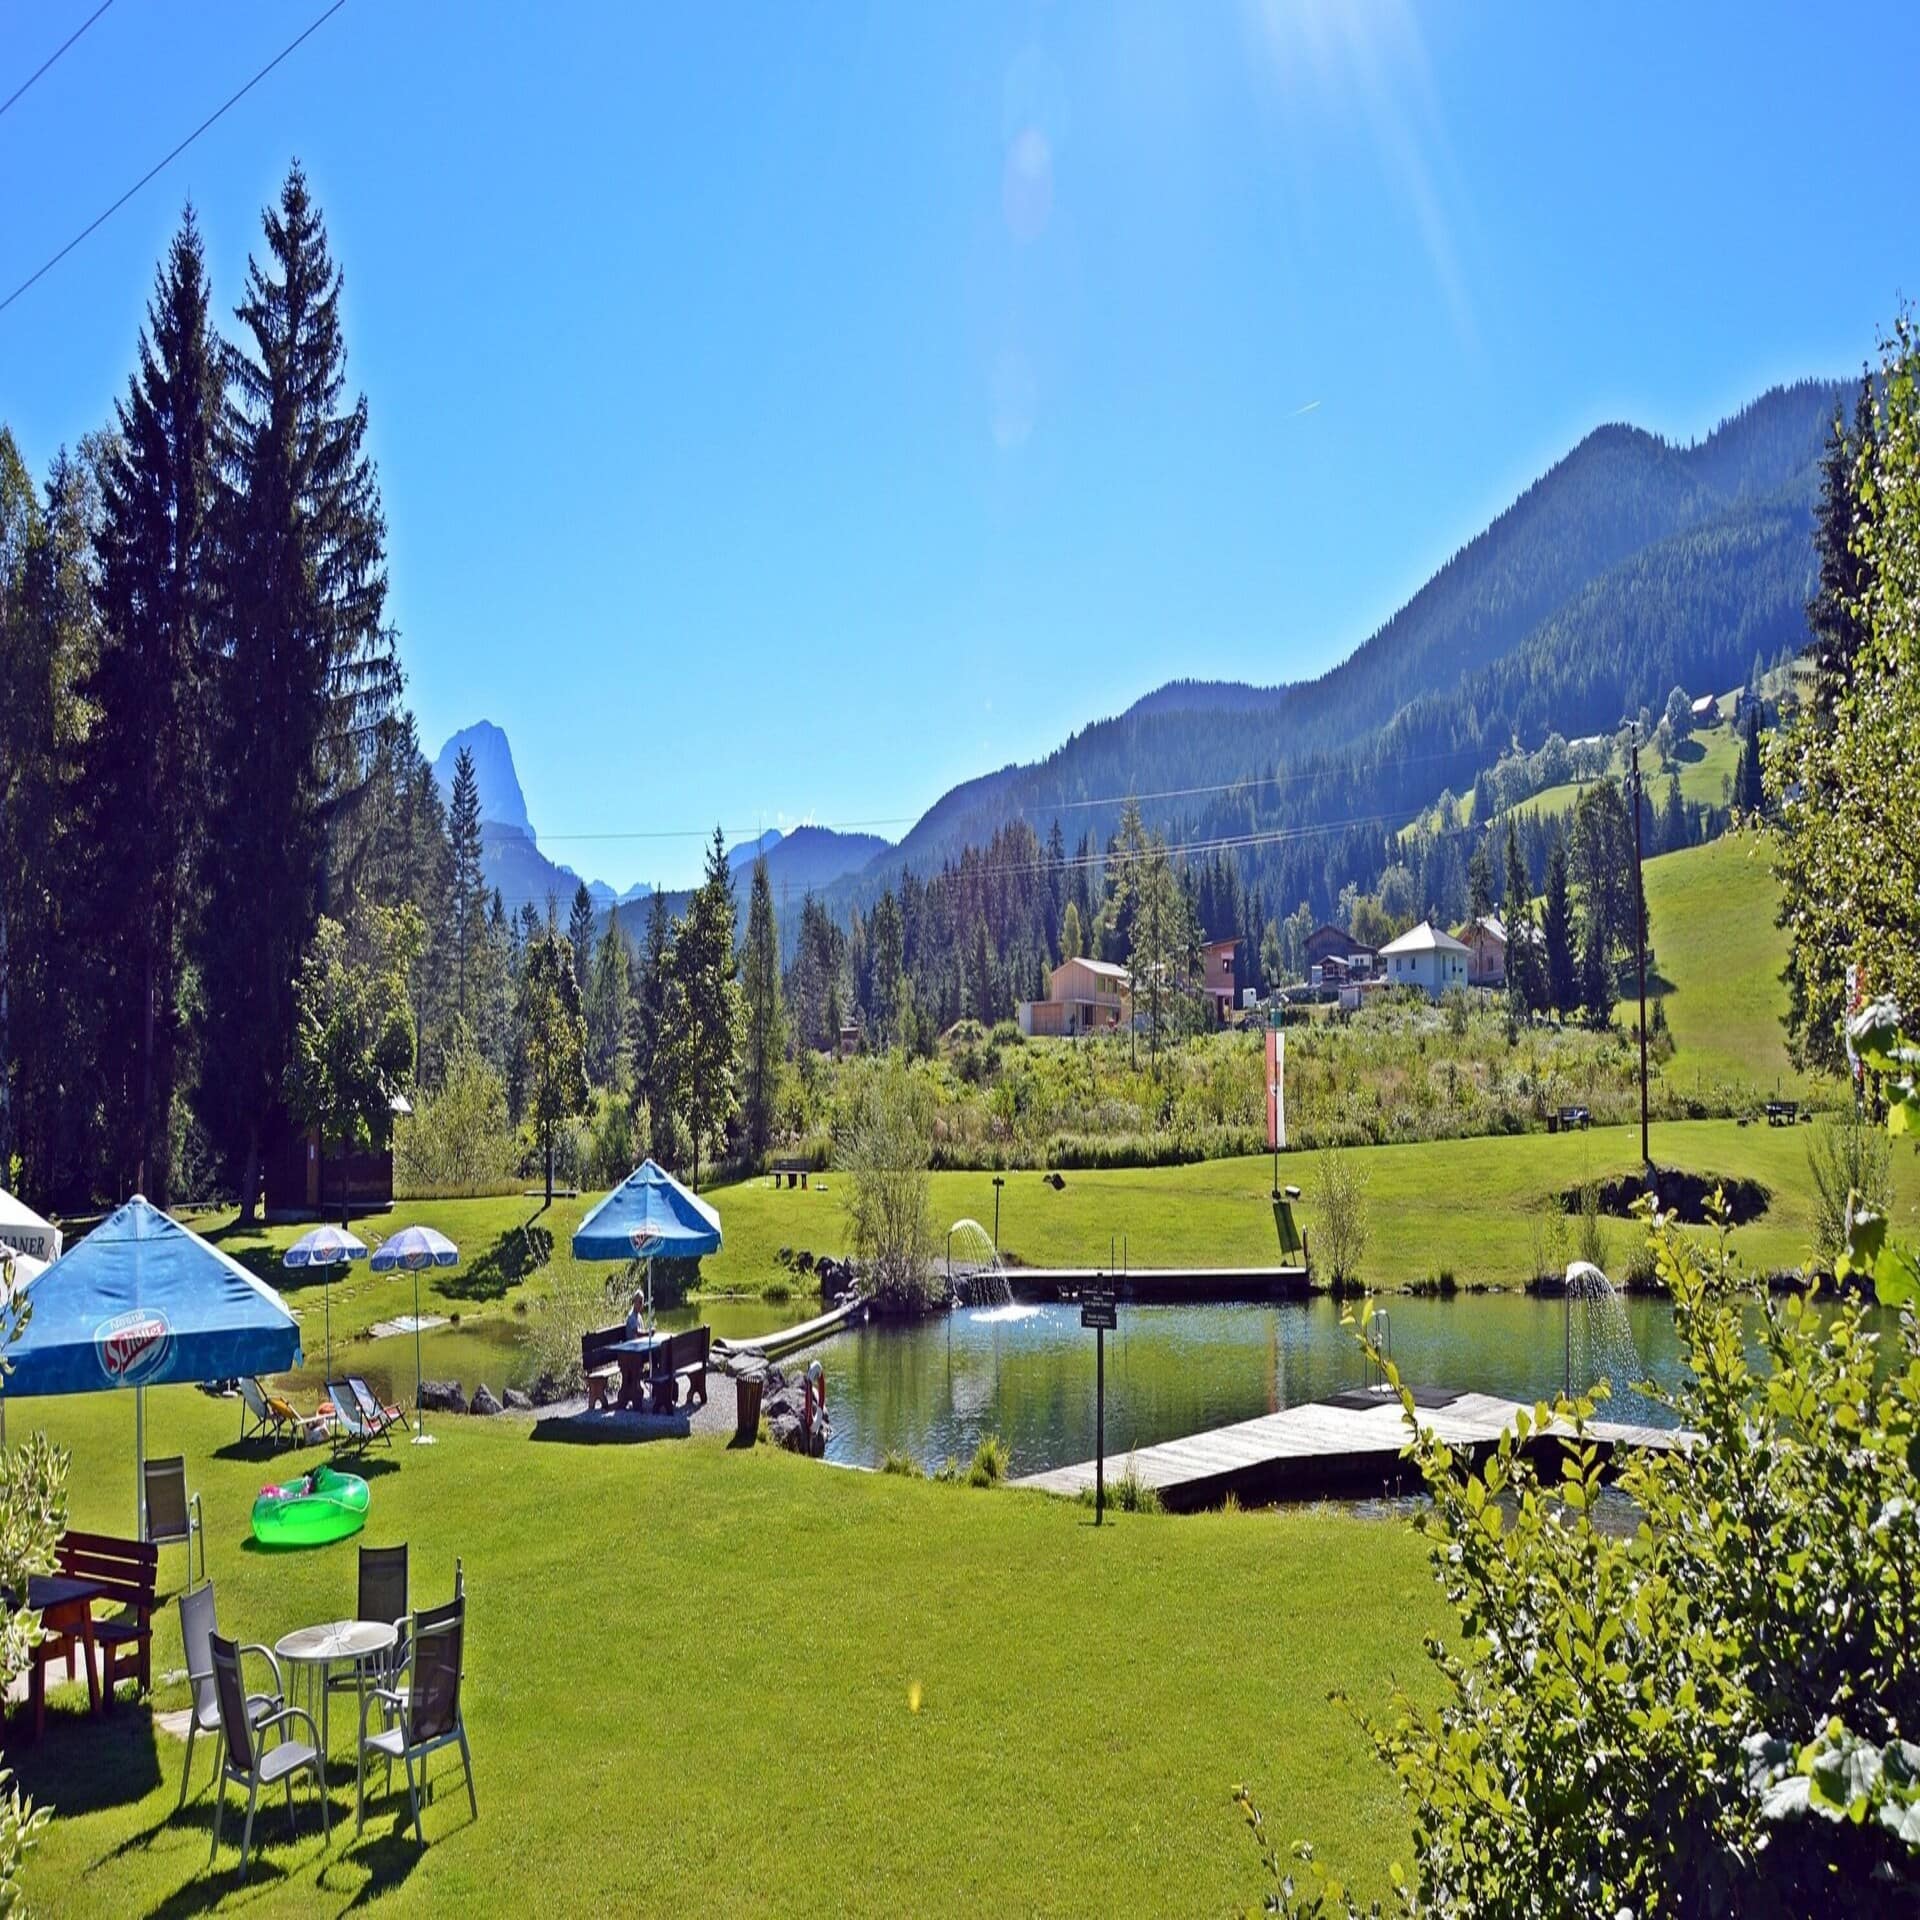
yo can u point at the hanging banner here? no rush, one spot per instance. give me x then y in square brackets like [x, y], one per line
[1276, 1088]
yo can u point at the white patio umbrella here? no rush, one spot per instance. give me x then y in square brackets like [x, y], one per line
[416, 1249]
[326, 1247]
[25, 1232]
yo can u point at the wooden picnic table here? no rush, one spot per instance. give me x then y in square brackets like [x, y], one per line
[635, 1358]
[65, 1606]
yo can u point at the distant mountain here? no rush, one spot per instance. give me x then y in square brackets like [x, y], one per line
[805, 860]
[501, 800]
[1632, 560]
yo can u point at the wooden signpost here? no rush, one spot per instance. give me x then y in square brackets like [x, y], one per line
[1098, 1311]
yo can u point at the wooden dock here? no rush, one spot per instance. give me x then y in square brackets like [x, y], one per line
[1161, 1285]
[1349, 1445]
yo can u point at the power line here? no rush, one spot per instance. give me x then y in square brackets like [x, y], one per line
[1245, 782]
[160, 166]
[55, 55]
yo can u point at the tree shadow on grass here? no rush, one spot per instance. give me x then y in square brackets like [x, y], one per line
[518, 1253]
[86, 1765]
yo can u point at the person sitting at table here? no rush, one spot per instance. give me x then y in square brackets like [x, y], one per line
[636, 1316]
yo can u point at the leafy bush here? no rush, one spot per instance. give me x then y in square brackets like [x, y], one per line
[1128, 1493]
[1340, 1225]
[1710, 1715]
[901, 1463]
[885, 1152]
[1851, 1165]
[456, 1144]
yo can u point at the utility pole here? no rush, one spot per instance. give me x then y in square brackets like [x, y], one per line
[1640, 953]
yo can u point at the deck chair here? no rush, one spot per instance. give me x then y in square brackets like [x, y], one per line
[268, 1413]
[353, 1432]
[246, 1763]
[307, 1429]
[424, 1715]
[199, 1622]
[173, 1514]
[381, 1417]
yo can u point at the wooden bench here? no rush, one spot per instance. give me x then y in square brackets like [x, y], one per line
[794, 1172]
[127, 1573]
[1782, 1113]
[1572, 1117]
[686, 1359]
[597, 1367]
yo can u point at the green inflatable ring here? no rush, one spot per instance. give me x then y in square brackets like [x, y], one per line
[313, 1511]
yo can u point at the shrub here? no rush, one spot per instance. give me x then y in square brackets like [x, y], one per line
[1340, 1233]
[777, 1292]
[1851, 1166]
[885, 1155]
[990, 1462]
[1708, 1715]
[456, 1143]
[901, 1463]
[1590, 1236]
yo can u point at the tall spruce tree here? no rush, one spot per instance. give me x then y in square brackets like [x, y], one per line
[1525, 988]
[553, 1030]
[145, 778]
[580, 918]
[764, 1029]
[467, 892]
[1749, 787]
[1556, 927]
[1480, 881]
[307, 673]
[703, 1020]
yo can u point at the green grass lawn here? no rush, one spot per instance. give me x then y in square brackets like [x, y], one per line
[1718, 958]
[690, 1676]
[1461, 1204]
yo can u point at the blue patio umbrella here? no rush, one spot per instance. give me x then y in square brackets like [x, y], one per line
[648, 1215]
[326, 1247]
[142, 1302]
[416, 1249]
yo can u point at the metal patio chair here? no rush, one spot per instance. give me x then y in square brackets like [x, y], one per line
[199, 1622]
[244, 1762]
[425, 1715]
[173, 1514]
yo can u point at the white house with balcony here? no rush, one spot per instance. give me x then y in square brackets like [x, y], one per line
[1425, 957]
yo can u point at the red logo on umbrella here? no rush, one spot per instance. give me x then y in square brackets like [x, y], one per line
[133, 1347]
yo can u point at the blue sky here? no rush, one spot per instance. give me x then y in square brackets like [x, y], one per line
[784, 413]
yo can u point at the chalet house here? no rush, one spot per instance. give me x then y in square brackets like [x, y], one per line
[1486, 942]
[1083, 996]
[1217, 976]
[302, 1180]
[1426, 957]
[1334, 957]
[1706, 712]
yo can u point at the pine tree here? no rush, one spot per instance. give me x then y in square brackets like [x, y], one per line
[609, 1009]
[553, 1029]
[145, 776]
[704, 1019]
[1480, 881]
[648, 1024]
[1749, 788]
[467, 903]
[1563, 981]
[1673, 818]
[1525, 989]
[764, 1029]
[580, 918]
[1596, 971]
[307, 672]
[1072, 942]
[890, 988]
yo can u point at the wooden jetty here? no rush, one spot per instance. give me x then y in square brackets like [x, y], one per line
[1348, 1445]
[1161, 1285]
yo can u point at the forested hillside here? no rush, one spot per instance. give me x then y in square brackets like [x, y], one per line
[1632, 565]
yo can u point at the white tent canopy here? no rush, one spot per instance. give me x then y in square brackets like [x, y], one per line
[23, 1229]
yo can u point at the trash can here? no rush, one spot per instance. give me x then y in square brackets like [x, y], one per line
[749, 1389]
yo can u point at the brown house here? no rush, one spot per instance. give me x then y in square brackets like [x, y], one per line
[1217, 976]
[304, 1183]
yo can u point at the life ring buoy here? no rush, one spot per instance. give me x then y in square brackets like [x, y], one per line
[814, 1396]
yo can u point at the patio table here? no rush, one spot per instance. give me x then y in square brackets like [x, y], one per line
[633, 1356]
[65, 1606]
[318, 1650]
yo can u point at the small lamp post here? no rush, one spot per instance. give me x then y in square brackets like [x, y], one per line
[999, 1181]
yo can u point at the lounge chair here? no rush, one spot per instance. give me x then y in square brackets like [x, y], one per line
[246, 1762]
[199, 1622]
[378, 1413]
[173, 1514]
[268, 1413]
[425, 1715]
[352, 1430]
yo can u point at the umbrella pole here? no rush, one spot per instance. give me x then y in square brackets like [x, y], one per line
[140, 1460]
[421, 1437]
[326, 1295]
